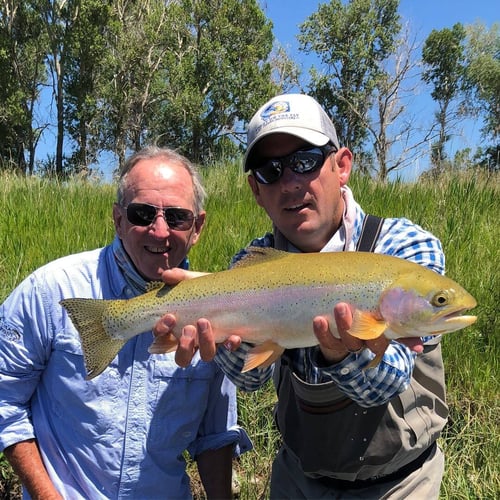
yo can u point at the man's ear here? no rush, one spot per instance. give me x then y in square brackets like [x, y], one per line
[254, 186]
[198, 226]
[343, 159]
[117, 219]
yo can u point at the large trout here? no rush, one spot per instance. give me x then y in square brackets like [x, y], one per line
[270, 299]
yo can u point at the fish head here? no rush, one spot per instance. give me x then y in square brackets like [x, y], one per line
[424, 304]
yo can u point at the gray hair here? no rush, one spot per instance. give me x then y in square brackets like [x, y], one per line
[170, 155]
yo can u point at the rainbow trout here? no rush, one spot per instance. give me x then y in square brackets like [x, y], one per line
[270, 299]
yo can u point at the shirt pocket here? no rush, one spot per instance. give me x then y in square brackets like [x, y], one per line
[180, 402]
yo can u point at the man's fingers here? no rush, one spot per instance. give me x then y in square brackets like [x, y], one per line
[187, 346]
[176, 275]
[206, 340]
[232, 343]
[164, 326]
[343, 319]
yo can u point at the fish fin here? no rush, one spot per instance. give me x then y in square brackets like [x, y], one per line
[256, 255]
[163, 344]
[262, 355]
[366, 326]
[99, 349]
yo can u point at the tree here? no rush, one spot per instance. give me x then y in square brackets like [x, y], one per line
[22, 73]
[351, 41]
[444, 68]
[85, 53]
[482, 77]
[389, 125]
[216, 73]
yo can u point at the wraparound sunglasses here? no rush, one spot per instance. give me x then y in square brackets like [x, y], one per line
[143, 214]
[302, 161]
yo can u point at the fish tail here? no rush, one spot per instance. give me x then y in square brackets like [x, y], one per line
[99, 349]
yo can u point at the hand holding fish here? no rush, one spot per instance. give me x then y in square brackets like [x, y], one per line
[200, 336]
[270, 299]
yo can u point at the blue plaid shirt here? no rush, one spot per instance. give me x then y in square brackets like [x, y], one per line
[400, 238]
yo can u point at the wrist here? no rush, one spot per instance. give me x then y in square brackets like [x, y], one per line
[324, 359]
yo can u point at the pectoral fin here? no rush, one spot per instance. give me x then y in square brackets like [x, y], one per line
[262, 355]
[163, 344]
[366, 326]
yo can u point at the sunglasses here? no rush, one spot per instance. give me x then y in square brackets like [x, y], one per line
[302, 161]
[143, 214]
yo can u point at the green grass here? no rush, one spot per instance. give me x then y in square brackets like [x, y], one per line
[42, 220]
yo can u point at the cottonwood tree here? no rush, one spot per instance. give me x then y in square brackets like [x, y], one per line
[443, 56]
[482, 53]
[351, 40]
[129, 76]
[217, 72]
[392, 129]
[58, 17]
[22, 75]
[183, 73]
[86, 51]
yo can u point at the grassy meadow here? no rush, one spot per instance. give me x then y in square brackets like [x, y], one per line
[41, 220]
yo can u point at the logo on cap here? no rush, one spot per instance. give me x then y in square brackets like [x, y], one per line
[275, 108]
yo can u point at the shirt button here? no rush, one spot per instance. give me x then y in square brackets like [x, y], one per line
[345, 371]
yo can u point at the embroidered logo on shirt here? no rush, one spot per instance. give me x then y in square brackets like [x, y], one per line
[8, 332]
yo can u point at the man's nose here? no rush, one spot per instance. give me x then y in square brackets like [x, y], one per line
[159, 225]
[290, 180]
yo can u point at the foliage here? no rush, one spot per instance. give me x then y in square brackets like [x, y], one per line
[123, 72]
[107, 76]
[215, 77]
[351, 40]
[444, 62]
[22, 73]
[462, 209]
[482, 76]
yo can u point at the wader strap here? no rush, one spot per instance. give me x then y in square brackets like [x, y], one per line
[369, 233]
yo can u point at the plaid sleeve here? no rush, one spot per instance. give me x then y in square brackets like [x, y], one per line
[231, 363]
[367, 386]
[406, 240]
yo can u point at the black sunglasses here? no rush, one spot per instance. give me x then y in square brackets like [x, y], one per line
[143, 214]
[302, 161]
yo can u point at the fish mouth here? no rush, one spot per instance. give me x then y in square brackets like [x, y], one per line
[450, 321]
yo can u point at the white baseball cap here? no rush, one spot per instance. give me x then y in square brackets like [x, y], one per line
[299, 115]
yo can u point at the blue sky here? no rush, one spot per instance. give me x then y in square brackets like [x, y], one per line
[423, 16]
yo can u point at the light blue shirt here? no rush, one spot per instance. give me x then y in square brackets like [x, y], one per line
[123, 433]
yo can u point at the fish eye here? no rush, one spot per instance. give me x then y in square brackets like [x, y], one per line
[440, 299]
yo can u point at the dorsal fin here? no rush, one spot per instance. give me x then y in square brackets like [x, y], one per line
[256, 255]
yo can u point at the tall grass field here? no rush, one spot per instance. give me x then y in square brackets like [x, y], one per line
[41, 220]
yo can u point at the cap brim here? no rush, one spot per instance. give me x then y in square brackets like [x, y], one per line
[310, 136]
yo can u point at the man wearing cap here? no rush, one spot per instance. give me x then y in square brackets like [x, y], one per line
[347, 432]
